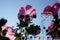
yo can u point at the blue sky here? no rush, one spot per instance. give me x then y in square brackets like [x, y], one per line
[9, 10]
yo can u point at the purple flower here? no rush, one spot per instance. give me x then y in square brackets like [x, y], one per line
[54, 29]
[47, 10]
[27, 10]
[10, 32]
[52, 10]
[55, 7]
[51, 26]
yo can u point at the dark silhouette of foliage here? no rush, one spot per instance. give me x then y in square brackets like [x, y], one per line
[2, 22]
[4, 38]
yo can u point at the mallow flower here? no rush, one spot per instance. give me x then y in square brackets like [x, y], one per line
[26, 12]
[10, 32]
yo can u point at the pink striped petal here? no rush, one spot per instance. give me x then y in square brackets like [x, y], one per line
[27, 10]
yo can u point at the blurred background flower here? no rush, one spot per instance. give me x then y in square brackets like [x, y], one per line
[9, 32]
[52, 10]
[53, 28]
